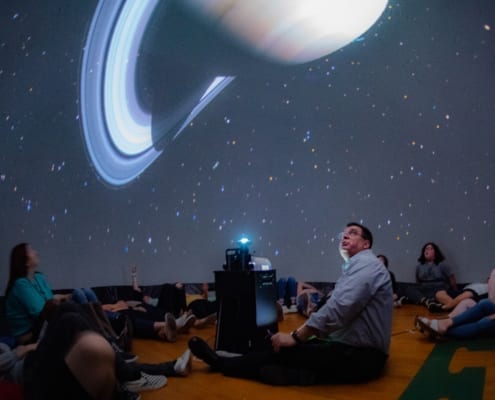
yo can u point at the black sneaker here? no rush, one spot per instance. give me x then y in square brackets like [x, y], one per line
[435, 308]
[401, 300]
[127, 357]
[203, 351]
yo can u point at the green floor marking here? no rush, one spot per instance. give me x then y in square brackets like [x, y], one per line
[434, 381]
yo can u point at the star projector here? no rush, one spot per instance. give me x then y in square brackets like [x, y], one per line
[238, 259]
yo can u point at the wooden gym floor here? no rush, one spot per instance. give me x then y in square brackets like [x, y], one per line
[417, 369]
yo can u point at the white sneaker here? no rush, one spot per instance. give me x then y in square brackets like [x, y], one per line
[146, 382]
[185, 322]
[289, 310]
[182, 365]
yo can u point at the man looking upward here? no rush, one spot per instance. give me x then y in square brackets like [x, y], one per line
[346, 340]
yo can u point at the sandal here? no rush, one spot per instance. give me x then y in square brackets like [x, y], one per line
[429, 327]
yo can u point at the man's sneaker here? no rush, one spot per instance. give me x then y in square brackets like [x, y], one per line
[182, 366]
[146, 382]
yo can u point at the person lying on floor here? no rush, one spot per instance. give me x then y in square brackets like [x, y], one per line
[432, 275]
[171, 299]
[202, 304]
[346, 340]
[145, 324]
[477, 321]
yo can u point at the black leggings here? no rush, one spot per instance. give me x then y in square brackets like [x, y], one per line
[201, 308]
[172, 299]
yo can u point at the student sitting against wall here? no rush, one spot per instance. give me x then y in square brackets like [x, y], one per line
[432, 275]
[172, 298]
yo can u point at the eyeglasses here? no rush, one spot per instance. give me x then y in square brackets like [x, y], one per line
[350, 232]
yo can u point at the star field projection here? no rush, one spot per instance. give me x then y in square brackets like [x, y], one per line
[394, 130]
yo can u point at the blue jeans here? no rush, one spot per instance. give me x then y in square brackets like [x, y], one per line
[287, 289]
[314, 299]
[84, 296]
[474, 322]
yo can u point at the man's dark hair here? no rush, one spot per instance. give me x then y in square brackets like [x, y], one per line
[366, 232]
[18, 265]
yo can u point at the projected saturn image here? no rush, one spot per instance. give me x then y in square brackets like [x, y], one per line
[124, 130]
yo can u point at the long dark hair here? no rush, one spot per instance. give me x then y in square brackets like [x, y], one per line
[18, 265]
[439, 257]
